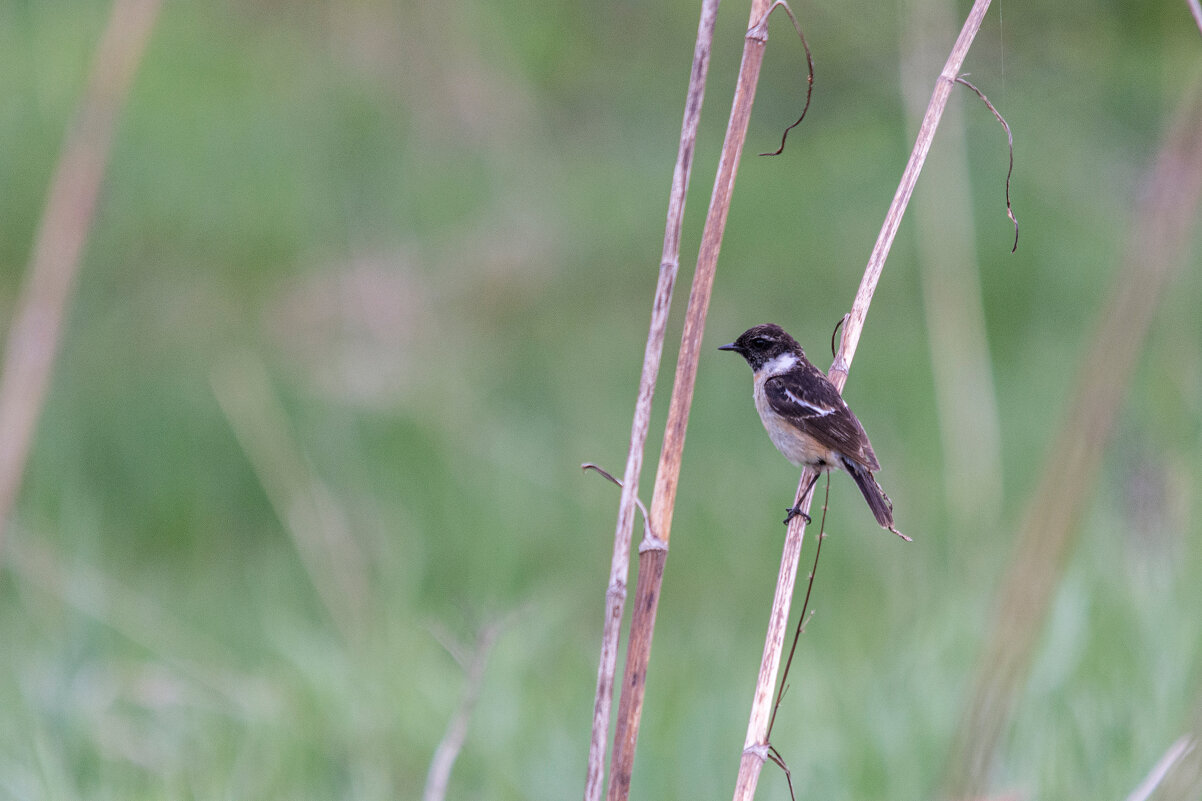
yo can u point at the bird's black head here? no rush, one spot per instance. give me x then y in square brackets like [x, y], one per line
[763, 343]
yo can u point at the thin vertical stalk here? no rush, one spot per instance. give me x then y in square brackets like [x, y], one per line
[58, 248]
[965, 400]
[755, 746]
[905, 188]
[1165, 217]
[653, 556]
[439, 774]
[615, 596]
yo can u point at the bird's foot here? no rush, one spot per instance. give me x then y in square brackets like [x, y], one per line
[795, 511]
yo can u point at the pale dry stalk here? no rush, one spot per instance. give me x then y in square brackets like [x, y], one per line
[54, 262]
[439, 775]
[962, 371]
[305, 505]
[652, 557]
[755, 746]
[615, 595]
[1180, 748]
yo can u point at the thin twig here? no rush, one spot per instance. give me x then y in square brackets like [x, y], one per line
[615, 595]
[637, 501]
[1166, 763]
[751, 762]
[905, 188]
[1195, 8]
[779, 761]
[801, 619]
[773, 754]
[62, 232]
[943, 226]
[1165, 216]
[651, 561]
[835, 334]
[451, 744]
[809, 76]
[962, 79]
[304, 504]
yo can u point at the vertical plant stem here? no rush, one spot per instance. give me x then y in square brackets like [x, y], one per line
[1165, 217]
[54, 262]
[922, 145]
[615, 596]
[439, 775]
[1179, 749]
[965, 401]
[755, 746]
[651, 559]
[306, 507]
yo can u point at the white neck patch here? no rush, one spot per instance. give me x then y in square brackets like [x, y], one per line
[779, 364]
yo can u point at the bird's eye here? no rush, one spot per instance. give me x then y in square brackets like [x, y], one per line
[760, 342]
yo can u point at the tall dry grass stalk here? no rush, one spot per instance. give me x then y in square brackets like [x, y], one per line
[615, 595]
[1164, 220]
[438, 777]
[33, 338]
[1182, 747]
[653, 556]
[755, 745]
[306, 507]
[962, 370]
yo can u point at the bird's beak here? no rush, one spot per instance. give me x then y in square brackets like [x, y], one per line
[731, 346]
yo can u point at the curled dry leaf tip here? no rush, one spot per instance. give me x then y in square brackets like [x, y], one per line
[963, 79]
[650, 541]
[835, 334]
[809, 75]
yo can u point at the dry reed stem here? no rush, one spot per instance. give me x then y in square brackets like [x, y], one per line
[439, 775]
[615, 595]
[304, 504]
[1164, 219]
[651, 559]
[62, 232]
[1177, 751]
[922, 145]
[1183, 779]
[965, 400]
[1195, 8]
[755, 744]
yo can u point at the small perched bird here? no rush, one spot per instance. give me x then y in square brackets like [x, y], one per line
[806, 417]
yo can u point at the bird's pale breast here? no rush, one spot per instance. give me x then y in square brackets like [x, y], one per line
[797, 447]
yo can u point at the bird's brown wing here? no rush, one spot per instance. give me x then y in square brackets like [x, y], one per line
[812, 403]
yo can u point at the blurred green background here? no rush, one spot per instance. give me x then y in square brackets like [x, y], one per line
[369, 280]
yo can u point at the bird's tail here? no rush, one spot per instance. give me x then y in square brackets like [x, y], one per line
[878, 501]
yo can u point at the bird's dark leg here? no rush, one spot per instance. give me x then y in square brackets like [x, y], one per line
[795, 511]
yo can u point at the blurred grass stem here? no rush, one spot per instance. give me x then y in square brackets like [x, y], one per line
[1179, 749]
[452, 742]
[1164, 217]
[37, 325]
[615, 596]
[756, 742]
[970, 434]
[303, 503]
